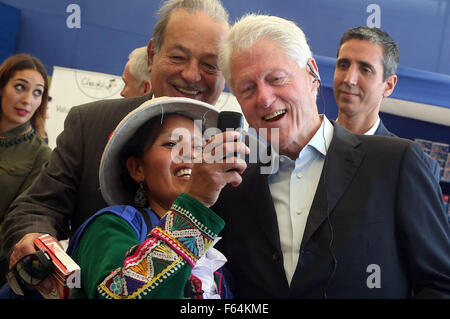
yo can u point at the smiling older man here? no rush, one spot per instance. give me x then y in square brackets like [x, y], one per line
[346, 215]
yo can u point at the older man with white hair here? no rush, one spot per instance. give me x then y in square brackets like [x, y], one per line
[345, 215]
[136, 76]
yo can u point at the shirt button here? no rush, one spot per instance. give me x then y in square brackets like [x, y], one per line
[298, 212]
[299, 175]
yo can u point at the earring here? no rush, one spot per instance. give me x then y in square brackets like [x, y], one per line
[140, 198]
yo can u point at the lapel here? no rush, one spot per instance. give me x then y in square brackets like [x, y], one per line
[341, 164]
[382, 130]
[260, 202]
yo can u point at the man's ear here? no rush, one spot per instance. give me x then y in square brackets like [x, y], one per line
[135, 169]
[147, 86]
[391, 81]
[151, 54]
[314, 72]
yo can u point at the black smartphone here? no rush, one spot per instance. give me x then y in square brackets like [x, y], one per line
[231, 121]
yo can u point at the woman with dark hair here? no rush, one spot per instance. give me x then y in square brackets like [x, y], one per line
[156, 239]
[23, 106]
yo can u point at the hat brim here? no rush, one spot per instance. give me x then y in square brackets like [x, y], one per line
[110, 169]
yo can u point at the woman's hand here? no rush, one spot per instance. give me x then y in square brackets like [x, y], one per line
[219, 166]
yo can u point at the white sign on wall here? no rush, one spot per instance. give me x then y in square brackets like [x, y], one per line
[71, 87]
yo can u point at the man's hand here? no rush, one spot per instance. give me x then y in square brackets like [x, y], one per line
[24, 247]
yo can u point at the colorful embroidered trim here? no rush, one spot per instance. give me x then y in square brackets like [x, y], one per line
[178, 240]
[196, 285]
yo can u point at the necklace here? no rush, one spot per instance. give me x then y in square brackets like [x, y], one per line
[7, 142]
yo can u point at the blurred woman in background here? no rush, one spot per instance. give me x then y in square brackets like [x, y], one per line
[23, 106]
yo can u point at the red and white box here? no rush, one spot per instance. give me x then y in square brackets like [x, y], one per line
[66, 273]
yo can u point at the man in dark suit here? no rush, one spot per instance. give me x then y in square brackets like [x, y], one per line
[365, 73]
[182, 62]
[344, 215]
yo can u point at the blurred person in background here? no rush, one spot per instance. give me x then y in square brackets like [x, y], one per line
[23, 106]
[365, 74]
[136, 76]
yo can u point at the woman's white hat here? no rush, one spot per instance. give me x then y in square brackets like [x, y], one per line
[110, 169]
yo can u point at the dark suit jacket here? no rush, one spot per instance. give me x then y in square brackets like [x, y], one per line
[67, 190]
[384, 209]
[431, 162]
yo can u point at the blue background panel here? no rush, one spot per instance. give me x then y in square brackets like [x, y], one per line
[111, 29]
[9, 28]
[421, 28]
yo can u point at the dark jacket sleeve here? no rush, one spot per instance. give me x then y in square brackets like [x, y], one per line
[423, 228]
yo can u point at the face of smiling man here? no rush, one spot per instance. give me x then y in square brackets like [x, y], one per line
[275, 92]
[186, 65]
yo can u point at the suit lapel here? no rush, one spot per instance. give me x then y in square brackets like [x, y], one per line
[261, 203]
[382, 130]
[342, 162]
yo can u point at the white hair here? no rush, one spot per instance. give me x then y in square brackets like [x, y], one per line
[139, 65]
[251, 27]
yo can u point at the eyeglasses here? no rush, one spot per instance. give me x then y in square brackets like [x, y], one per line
[30, 270]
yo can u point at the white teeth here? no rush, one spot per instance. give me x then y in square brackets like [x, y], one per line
[186, 91]
[271, 116]
[184, 172]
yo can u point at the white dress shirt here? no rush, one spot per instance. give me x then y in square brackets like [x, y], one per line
[293, 188]
[372, 130]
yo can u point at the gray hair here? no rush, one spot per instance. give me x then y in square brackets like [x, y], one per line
[376, 36]
[251, 27]
[213, 8]
[139, 65]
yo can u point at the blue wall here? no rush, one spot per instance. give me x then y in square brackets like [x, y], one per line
[9, 27]
[110, 29]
